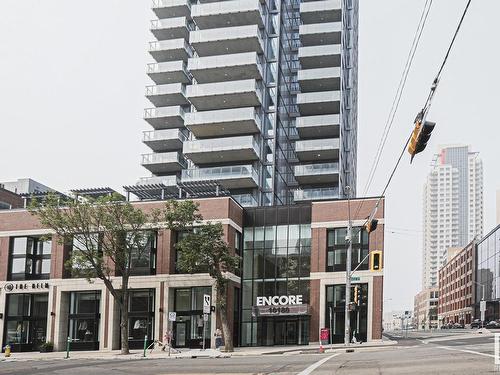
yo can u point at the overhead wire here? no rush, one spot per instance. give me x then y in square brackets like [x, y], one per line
[397, 97]
[423, 113]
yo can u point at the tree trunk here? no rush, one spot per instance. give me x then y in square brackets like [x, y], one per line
[124, 317]
[226, 329]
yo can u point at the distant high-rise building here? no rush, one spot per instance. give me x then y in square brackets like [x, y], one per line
[259, 98]
[453, 206]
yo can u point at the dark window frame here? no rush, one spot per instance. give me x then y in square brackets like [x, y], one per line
[360, 249]
[34, 257]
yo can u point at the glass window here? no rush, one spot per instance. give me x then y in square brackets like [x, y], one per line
[29, 258]
[141, 300]
[182, 299]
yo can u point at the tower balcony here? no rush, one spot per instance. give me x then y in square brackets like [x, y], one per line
[235, 121]
[227, 40]
[317, 149]
[165, 117]
[165, 162]
[168, 72]
[222, 68]
[223, 95]
[319, 103]
[316, 194]
[320, 56]
[164, 140]
[322, 126]
[171, 180]
[171, 28]
[320, 33]
[167, 95]
[172, 8]
[320, 173]
[320, 79]
[321, 11]
[231, 177]
[228, 13]
[170, 50]
[222, 150]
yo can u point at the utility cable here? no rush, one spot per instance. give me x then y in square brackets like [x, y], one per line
[397, 97]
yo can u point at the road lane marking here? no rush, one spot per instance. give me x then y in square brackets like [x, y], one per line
[314, 366]
[466, 351]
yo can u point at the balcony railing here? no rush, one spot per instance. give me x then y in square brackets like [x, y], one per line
[164, 158]
[165, 180]
[245, 200]
[316, 194]
[221, 144]
[164, 134]
[313, 169]
[220, 173]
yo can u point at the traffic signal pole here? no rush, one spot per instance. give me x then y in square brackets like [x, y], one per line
[347, 336]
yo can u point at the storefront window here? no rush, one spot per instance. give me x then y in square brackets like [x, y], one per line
[335, 312]
[337, 249]
[141, 317]
[29, 258]
[26, 321]
[84, 319]
[188, 328]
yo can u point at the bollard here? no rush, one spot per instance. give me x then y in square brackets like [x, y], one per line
[68, 342]
[7, 350]
[145, 345]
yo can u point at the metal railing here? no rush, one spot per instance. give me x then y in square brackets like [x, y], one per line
[220, 173]
[316, 194]
[164, 134]
[321, 168]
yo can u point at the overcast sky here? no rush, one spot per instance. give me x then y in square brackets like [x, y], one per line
[72, 77]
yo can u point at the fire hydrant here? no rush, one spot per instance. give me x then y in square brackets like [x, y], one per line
[7, 350]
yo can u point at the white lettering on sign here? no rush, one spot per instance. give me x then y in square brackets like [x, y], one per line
[279, 300]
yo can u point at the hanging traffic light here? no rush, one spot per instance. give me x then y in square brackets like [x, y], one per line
[420, 136]
[371, 225]
[375, 260]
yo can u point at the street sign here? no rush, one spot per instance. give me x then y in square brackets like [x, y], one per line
[355, 278]
[172, 316]
[205, 317]
[206, 304]
[482, 306]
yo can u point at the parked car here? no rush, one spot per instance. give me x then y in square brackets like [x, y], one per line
[476, 323]
[448, 325]
[493, 324]
[457, 325]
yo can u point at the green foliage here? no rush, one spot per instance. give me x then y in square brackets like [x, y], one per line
[204, 250]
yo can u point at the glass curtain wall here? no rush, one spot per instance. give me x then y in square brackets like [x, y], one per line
[276, 261]
[488, 274]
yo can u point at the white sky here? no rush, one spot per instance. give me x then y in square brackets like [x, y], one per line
[72, 77]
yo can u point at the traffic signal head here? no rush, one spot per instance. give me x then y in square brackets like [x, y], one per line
[356, 295]
[371, 225]
[375, 260]
[420, 136]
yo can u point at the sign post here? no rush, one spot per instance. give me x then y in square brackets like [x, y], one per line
[482, 308]
[206, 311]
[172, 317]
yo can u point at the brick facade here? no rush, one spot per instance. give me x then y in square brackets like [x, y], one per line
[456, 287]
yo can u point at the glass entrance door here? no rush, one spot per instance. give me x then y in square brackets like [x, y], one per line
[291, 332]
[180, 334]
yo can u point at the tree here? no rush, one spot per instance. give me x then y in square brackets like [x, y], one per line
[108, 237]
[204, 250]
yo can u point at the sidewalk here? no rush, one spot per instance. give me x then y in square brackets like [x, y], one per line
[191, 353]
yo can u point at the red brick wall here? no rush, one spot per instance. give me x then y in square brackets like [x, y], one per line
[378, 283]
[314, 310]
[4, 258]
[337, 210]
[11, 198]
[318, 249]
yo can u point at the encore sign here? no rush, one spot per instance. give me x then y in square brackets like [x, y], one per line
[279, 300]
[279, 305]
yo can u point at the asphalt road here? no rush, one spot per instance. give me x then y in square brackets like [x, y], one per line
[452, 354]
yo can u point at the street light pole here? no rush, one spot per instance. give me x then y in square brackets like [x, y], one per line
[347, 335]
